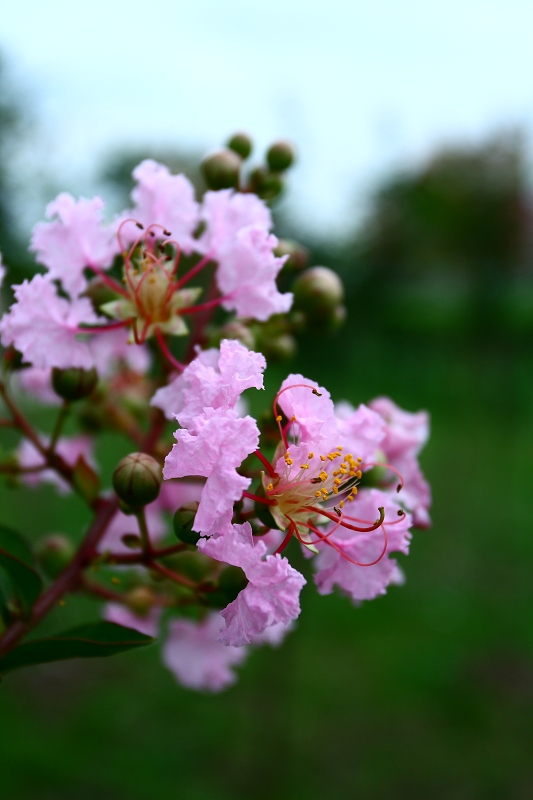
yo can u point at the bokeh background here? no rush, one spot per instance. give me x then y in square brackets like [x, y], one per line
[413, 122]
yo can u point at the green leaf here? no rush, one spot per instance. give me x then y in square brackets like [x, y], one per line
[86, 481]
[86, 641]
[16, 559]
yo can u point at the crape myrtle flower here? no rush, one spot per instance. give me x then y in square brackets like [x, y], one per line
[196, 658]
[333, 568]
[76, 239]
[2, 271]
[272, 594]
[144, 623]
[214, 439]
[237, 237]
[45, 328]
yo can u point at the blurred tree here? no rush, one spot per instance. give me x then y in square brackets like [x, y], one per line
[455, 231]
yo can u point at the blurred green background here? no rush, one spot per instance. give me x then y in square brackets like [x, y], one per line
[425, 692]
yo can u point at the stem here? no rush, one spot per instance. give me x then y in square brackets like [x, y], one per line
[140, 558]
[193, 271]
[67, 581]
[145, 536]
[166, 351]
[64, 411]
[174, 576]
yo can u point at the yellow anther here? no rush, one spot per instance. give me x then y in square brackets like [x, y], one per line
[337, 481]
[323, 475]
[354, 490]
[342, 471]
[318, 494]
[359, 474]
[311, 455]
[360, 459]
[293, 418]
[339, 447]
[341, 504]
[337, 472]
[279, 418]
[270, 487]
[288, 461]
[322, 458]
[304, 466]
[335, 490]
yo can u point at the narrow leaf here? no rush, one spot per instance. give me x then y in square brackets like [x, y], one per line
[86, 481]
[12, 542]
[26, 583]
[85, 641]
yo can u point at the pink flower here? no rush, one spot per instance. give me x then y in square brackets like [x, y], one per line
[335, 559]
[362, 430]
[405, 435]
[38, 382]
[2, 271]
[167, 200]
[225, 213]
[215, 449]
[70, 449]
[246, 275]
[215, 379]
[197, 659]
[127, 523]
[75, 240]
[44, 326]
[109, 348]
[272, 594]
[121, 615]
[309, 408]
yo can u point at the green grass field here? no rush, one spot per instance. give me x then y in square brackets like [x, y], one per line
[426, 692]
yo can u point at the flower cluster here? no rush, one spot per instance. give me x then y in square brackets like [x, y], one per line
[101, 331]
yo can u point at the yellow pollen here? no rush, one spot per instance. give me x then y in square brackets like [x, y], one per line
[311, 455]
[360, 459]
[337, 481]
[288, 461]
[337, 472]
[335, 490]
[359, 474]
[323, 475]
[318, 494]
[279, 418]
[339, 447]
[354, 490]
[293, 418]
[270, 487]
[342, 470]
[341, 504]
[322, 458]
[304, 466]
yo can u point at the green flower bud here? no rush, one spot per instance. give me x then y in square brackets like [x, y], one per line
[183, 522]
[75, 383]
[54, 553]
[241, 144]
[298, 255]
[137, 479]
[280, 156]
[237, 330]
[278, 348]
[140, 600]
[267, 185]
[221, 170]
[318, 292]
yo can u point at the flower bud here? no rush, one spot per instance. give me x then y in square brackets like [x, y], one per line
[75, 383]
[239, 331]
[278, 348]
[54, 554]
[298, 256]
[267, 185]
[183, 521]
[280, 156]
[318, 292]
[241, 144]
[137, 479]
[221, 169]
[140, 600]
[99, 293]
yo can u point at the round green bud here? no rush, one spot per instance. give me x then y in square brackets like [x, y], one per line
[239, 331]
[54, 553]
[140, 600]
[137, 479]
[281, 156]
[267, 185]
[318, 292]
[75, 383]
[183, 521]
[221, 170]
[241, 144]
[298, 257]
[279, 348]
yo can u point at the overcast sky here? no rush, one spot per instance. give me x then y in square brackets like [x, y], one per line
[360, 87]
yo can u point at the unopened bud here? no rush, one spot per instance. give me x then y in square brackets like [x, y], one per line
[140, 600]
[99, 293]
[280, 156]
[267, 185]
[54, 553]
[318, 292]
[221, 169]
[75, 383]
[241, 144]
[239, 331]
[183, 521]
[131, 541]
[137, 479]
[278, 348]
[298, 256]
